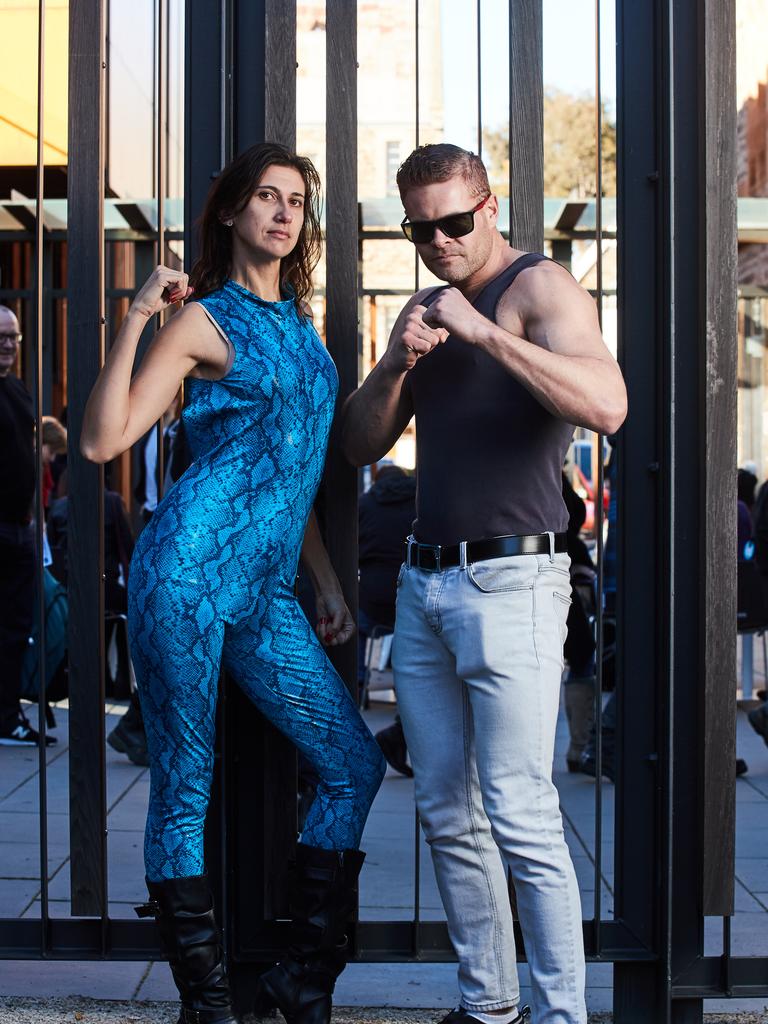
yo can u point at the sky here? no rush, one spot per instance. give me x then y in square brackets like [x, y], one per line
[569, 58]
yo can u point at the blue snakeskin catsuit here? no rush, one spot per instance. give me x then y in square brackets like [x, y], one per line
[212, 578]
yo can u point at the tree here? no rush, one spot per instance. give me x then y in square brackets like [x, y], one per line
[569, 149]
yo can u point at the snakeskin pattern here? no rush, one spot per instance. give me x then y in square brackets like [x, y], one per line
[211, 581]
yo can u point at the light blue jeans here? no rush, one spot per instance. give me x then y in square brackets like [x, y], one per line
[478, 657]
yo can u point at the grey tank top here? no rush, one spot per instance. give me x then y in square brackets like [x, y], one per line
[489, 457]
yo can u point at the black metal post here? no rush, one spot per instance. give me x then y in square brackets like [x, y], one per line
[676, 485]
[342, 299]
[85, 340]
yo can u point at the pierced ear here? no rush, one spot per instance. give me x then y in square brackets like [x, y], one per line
[229, 223]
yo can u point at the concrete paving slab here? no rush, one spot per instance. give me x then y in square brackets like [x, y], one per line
[404, 913]
[16, 827]
[125, 870]
[26, 798]
[747, 902]
[62, 908]
[102, 979]
[749, 935]
[751, 815]
[16, 895]
[754, 1011]
[752, 872]
[22, 859]
[157, 984]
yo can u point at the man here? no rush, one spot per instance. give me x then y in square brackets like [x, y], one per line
[17, 550]
[497, 368]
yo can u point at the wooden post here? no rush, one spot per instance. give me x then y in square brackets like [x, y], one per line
[526, 125]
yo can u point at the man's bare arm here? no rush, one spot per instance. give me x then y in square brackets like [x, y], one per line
[563, 360]
[377, 413]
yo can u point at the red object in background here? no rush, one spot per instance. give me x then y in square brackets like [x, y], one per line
[47, 485]
[585, 484]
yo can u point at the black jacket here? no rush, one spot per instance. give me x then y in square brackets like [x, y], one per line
[387, 512]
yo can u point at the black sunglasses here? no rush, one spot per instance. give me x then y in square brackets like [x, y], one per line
[455, 225]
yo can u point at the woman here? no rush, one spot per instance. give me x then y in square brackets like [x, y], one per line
[212, 575]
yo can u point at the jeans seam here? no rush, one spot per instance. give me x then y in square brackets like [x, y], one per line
[478, 849]
[438, 595]
[533, 623]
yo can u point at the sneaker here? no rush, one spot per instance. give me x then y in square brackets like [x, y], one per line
[23, 735]
[131, 742]
[758, 719]
[462, 1016]
[588, 766]
[392, 744]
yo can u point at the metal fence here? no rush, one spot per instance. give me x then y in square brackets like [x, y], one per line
[676, 285]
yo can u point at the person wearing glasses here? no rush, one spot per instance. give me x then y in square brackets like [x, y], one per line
[17, 542]
[497, 366]
[212, 576]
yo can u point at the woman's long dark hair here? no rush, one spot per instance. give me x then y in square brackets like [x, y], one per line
[230, 194]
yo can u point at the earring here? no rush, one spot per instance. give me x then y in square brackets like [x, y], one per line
[229, 223]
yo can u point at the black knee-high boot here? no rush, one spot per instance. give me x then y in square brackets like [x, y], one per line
[322, 898]
[189, 937]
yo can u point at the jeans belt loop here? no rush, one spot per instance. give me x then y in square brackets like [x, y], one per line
[410, 542]
[462, 554]
[551, 536]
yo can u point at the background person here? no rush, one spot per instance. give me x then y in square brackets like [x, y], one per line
[147, 488]
[386, 514]
[54, 458]
[17, 542]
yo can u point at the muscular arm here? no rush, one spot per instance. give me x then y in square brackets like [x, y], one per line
[121, 407]
[377, 413]
[563, 360]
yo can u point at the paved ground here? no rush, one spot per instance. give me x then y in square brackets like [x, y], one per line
[91, 1011]
[387, 889]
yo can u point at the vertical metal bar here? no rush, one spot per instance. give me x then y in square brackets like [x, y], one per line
[416, 281]
[342, 297]
[667, 45]
[416, 263]
[479, 79]
[416, 884]
[726, 974]
[224, 92]
[204, 110]
[161, 162]
[39, 504]
[598, 504]
[640, 649]
[85, 341]
[417, 69]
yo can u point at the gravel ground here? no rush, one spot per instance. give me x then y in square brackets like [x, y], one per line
[77, 1010]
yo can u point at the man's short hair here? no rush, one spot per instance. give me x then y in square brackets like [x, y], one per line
[428, 165]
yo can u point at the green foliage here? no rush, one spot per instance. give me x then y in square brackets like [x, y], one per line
[569, 149]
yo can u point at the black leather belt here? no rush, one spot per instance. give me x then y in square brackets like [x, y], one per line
[436, 557]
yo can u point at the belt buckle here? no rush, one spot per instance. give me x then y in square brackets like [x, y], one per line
[435, 549]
